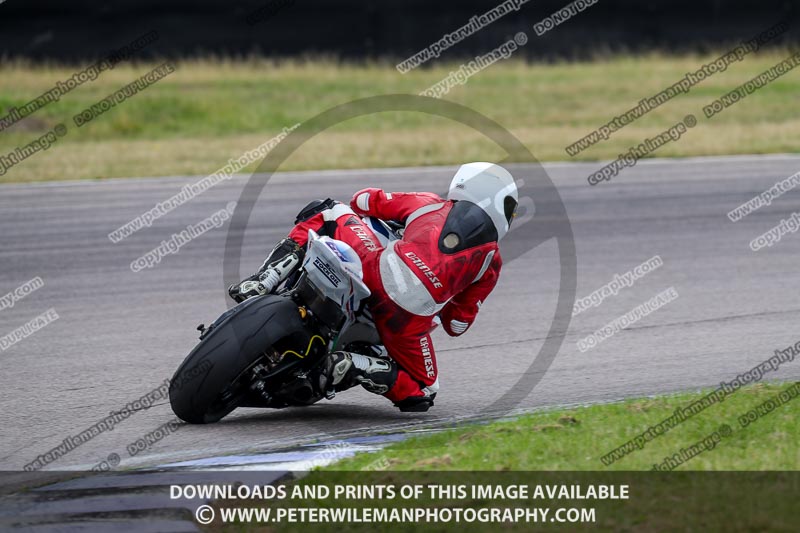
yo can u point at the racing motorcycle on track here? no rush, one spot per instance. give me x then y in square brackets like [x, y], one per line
[268, 350]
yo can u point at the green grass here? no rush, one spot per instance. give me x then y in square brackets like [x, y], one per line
[192, 121]
[576, 439]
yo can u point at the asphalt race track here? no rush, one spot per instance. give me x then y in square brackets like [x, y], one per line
[120, 334]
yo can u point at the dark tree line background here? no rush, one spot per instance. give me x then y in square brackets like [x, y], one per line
[77, 30]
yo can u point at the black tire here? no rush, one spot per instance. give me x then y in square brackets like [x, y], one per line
[204, 388]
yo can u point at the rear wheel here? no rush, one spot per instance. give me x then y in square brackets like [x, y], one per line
[215, 377]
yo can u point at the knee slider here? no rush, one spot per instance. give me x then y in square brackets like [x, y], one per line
[416, 404]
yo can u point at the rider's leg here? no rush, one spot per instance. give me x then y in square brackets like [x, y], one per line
[411, 382]
[281, 262]
[293, 246]
[344, 370]
[407, 340]
[325, 217]
[417, 382]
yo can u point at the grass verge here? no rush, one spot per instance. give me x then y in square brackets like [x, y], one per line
[576, 439]
[194, 120]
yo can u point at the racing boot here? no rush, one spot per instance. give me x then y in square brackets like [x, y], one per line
[282, 261]
[344, 370]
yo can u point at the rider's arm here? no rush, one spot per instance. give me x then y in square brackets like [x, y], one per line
[395, 206]
[460, 312]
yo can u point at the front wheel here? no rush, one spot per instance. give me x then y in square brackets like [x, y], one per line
[215, 377]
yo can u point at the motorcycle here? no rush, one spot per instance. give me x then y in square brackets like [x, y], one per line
[268, 350]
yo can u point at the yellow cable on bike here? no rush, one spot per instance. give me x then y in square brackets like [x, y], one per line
[307, 349]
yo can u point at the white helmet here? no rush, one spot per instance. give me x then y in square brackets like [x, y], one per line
[490, 187]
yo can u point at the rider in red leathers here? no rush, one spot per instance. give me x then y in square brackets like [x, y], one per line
[446, 264]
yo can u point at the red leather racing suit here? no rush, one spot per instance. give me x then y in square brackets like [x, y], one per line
[446, 264]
